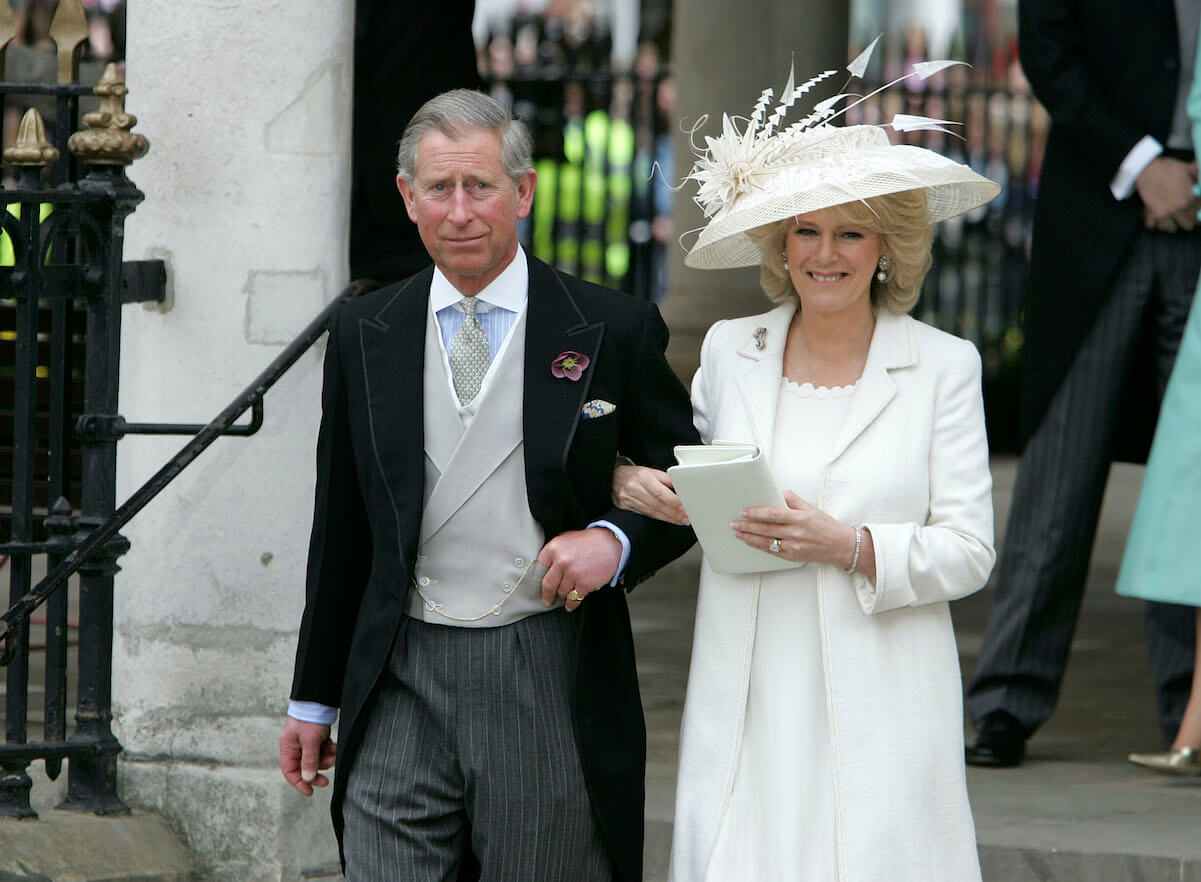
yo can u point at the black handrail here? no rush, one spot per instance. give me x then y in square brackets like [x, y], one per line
[251, 397]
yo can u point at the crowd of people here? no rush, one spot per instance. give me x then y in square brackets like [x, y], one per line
[600, 130]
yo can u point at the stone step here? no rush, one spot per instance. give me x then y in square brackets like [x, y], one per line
[74, 847]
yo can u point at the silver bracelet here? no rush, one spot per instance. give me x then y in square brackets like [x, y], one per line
[858, 546]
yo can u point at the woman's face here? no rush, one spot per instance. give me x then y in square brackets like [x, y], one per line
[831, 263]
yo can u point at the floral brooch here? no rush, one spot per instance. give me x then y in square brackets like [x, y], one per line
[569, 365]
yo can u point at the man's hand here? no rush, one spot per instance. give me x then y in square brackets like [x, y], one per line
[1181, 220]
[304, 750]
[1166, 188]
[579, 561]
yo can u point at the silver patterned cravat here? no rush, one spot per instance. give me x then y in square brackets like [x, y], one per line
[469, 355]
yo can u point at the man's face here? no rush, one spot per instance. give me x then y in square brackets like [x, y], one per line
[466, 207]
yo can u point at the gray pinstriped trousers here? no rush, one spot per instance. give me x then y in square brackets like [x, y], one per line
[471, 735]
[1057, 500]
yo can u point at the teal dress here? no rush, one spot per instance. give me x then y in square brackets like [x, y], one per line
[1163, 553]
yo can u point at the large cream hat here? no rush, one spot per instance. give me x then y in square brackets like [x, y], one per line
[758, 175]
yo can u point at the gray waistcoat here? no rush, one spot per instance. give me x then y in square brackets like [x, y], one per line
[477, 534]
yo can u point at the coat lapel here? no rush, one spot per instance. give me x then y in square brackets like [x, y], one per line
[891, 347]
[760, 385]
[552, 405]
[392, 343]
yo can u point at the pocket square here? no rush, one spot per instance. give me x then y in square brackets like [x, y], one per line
[597, 407]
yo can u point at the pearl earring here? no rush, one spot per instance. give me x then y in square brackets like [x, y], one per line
[882, 267]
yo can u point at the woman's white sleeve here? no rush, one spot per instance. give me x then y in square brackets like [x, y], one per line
[952, 554]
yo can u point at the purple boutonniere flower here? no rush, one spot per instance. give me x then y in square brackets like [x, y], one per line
[569, 365]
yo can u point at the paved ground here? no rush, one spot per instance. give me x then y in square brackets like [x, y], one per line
[1076, 810]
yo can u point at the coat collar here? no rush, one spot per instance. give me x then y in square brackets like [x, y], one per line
[891, 347]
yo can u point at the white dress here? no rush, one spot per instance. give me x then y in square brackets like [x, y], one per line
[780, 823]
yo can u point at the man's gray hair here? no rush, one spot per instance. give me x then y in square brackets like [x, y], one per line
[454, 114]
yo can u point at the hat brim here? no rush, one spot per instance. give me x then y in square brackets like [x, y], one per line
[951, 189]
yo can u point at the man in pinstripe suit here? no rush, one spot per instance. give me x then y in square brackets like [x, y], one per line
[465, 606]
[1114, 264]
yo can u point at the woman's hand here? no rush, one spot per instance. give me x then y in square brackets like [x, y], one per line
[647, 491]
[806, 534]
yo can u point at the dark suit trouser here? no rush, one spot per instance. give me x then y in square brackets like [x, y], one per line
[1057, 500]
[471, 735]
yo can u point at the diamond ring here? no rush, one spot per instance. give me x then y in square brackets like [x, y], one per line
[774, 547]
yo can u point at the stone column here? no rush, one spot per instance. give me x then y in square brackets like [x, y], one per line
[247, 108]
[723, 56]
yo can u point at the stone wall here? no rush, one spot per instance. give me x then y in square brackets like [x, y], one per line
[247, 108]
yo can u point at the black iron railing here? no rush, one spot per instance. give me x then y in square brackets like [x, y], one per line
[61, 288]
[90, 546]
[74, 255]
[63, 281]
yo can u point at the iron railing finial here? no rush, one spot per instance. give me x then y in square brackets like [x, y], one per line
[107, 139]
[31, 147]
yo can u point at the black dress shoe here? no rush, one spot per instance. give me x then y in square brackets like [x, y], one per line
[1001, 742]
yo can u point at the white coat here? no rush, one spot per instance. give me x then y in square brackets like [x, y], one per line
[910, 464]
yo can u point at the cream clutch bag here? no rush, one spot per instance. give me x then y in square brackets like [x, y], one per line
[715, 482]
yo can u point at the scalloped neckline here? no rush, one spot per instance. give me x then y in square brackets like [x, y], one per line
[808, 390]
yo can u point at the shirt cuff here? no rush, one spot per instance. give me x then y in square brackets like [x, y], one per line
[625, 548]
[312, 712]
[1132, 166]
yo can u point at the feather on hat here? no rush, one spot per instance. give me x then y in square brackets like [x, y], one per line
[758, 175]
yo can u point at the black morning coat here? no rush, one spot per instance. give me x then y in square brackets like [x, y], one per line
[1106, 71]
[370, 477]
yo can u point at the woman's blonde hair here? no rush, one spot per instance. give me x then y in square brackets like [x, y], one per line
[905, 232]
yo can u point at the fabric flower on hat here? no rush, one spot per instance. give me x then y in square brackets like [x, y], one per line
[569, 365]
